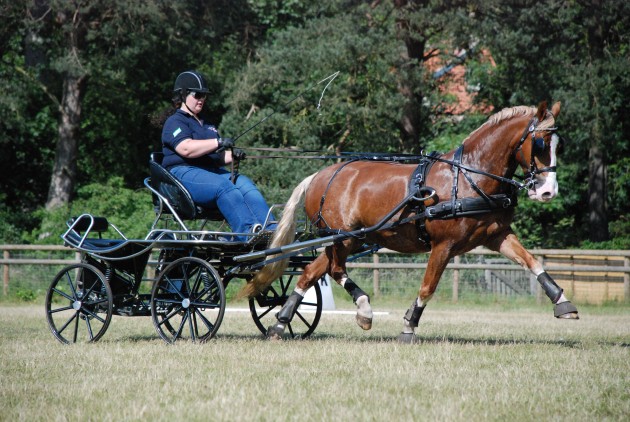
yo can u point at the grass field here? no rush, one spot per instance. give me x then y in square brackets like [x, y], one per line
[473, 363]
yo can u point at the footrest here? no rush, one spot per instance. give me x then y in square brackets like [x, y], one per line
[263, 236]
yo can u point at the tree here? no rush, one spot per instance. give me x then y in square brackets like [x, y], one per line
[577, 52]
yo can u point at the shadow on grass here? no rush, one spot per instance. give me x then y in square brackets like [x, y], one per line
[420, 340]
[375, 339]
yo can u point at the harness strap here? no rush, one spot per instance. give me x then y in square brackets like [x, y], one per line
[320, 217]
[469, 206]
[416, 183]
[457, 160]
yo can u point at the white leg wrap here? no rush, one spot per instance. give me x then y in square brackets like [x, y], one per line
[562, 299]
[406, 328]
[363, 307]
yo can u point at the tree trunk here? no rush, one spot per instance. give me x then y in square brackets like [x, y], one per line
[411, 118]
[597, 197]
[597, 218]
[63, 177]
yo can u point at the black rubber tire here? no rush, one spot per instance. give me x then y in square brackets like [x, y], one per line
[272, 299]
[187, 301]
[79, 304]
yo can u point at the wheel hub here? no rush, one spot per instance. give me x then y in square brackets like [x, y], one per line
[185, 303]
[76, 305]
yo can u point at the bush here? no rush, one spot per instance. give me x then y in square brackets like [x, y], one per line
[130, 210]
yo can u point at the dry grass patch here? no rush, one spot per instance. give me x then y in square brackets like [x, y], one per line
[469, 365]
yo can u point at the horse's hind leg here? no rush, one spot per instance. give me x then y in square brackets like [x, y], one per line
[512, 248]
[337, 256]
[438, 260]
[311, 274]
[332, 261]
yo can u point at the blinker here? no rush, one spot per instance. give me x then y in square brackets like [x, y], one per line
[538, 145]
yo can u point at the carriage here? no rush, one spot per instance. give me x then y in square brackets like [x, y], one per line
[445, 204]
[185, 297]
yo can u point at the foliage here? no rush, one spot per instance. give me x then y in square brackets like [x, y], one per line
[129, 210]
[576, 52]
[260, 54]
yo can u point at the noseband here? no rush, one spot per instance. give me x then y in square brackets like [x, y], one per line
[538, 145]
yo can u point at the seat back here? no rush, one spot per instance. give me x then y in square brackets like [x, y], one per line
[175, 193]
[171, 188]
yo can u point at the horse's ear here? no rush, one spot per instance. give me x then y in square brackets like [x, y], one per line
[542, 111]
[555, 110]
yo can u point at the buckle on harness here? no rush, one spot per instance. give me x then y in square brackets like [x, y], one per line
[420, 194]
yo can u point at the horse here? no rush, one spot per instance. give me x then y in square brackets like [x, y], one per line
[454, 203]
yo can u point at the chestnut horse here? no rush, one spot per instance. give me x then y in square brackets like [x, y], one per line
[471, 204]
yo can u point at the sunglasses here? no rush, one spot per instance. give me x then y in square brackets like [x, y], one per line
[199, 95]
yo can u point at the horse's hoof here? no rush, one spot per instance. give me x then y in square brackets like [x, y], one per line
[274, 332]
[364, 322]
[570, 315]
[407, 338]
[565, 310]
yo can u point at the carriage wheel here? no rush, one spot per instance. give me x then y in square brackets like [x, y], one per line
[79, 304]
[187, 301]
[267, 304]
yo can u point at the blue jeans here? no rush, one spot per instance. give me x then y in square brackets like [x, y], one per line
[241, 204]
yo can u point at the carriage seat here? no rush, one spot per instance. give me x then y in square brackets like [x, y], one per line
[176, 194]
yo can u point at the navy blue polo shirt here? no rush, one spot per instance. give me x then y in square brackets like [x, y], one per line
[181, 126]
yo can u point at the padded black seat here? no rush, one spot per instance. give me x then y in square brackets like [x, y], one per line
[176, 194]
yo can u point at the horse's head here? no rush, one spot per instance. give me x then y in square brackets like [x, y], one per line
[537, 153]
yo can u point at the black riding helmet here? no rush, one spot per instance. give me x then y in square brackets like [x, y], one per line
[190, 81]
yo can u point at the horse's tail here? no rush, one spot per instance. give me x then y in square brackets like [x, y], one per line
[284, 234]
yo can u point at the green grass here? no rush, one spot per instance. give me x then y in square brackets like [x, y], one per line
[472, 363]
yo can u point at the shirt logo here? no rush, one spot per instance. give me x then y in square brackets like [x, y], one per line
[177, 132]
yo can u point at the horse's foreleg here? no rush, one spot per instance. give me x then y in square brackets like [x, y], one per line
[435, 267]
[312, 273]
[337, 258]
[512, 248]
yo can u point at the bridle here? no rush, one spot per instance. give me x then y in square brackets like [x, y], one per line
[538, 146]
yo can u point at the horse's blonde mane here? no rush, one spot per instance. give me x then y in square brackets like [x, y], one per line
[518, 111]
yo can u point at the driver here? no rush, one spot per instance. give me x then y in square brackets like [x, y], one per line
[195, 154]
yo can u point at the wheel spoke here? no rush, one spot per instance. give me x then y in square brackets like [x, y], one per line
[65, 308]
[62, 293]
[69, 279]
[75, 315]
[168, 317]
[206, 322]
[181, 326]
[269, 309]
[93, 315]
[76, 328]
[299, 315]
[192, 324]
[89, 328]
[174, 288]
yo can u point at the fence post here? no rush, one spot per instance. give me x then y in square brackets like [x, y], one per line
[5, 270]
[376, 275]
[456, 281]
[539, 290]
[626, 281]
[487, 275]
